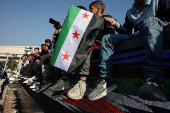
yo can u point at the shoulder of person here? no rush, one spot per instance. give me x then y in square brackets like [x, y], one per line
[105, 14]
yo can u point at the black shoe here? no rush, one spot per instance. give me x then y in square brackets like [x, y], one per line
[152, 90]
[44, 86]
[58, 93]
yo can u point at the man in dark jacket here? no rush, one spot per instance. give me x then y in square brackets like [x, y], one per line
[147, 17]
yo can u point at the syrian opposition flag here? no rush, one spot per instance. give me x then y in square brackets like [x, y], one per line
[27, 49]
[76, 39]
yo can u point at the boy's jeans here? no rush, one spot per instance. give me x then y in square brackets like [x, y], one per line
[151, 31]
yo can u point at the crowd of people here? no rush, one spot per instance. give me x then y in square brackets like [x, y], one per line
[147, 17]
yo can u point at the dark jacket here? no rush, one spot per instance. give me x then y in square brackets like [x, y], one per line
[106, 29]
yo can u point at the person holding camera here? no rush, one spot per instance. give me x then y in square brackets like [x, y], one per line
[36, 54]
[78, 91]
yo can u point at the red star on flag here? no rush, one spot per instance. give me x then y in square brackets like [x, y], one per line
[75, 34]
[66, 56]
[85, 15]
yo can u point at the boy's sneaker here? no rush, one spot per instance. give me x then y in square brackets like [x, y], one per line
[18, 79]
[29, 83]
[77, 92]
[102, 89]
[35, 78]
[152, 90]
[35, 90]
[37, 87]
[43, 86]
[60, 85]
[34, 85]
[25, 82]
[22, 76]
[25, 78]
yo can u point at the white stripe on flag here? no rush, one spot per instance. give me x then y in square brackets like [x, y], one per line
[71, 44]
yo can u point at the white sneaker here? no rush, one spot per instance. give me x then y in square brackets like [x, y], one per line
[21, 76]
[35, 78]
[60, 85]
[25, 78]
[25, 82]
[30, 79]
[29, 83]
[18, 79]
[34, 85]
[77, 92]
[35, 90]
[37, 87]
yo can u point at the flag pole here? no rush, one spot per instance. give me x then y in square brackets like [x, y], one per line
[34, 41]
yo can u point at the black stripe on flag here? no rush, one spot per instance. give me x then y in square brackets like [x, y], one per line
[86, 44]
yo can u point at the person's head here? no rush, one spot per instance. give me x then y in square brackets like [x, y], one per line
[48, 42]
[36, 50]
[42, 46]
[139, 1]
[97, 7]
[29, 57]
[26, 52]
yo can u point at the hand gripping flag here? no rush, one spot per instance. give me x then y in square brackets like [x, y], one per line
[76, 39]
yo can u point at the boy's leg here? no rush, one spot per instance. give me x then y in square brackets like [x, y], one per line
[83, 78]
[78, 91]
[57, 73]
[104, 84]
[107, 51]
[152, 34]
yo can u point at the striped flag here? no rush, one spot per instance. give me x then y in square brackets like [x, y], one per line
[76, 39]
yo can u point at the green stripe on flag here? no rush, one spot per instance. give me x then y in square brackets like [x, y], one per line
[72, 14]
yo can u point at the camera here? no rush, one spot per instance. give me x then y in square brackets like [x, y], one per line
[57, 25]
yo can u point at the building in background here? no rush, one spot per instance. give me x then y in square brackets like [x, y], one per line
[18, 50]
